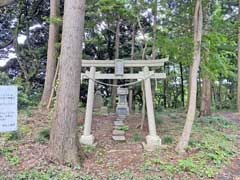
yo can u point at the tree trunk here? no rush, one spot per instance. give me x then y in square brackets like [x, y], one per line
[154, 49]
[165, 87]
[182, 84]
[6, 2]
[64, 136]
[206, 101]
[130, 96]
[183, 142]
[117, 42]
[52, 54]
[238, 90]
[189, 85]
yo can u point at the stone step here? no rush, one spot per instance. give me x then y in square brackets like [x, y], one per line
[118, 132]
[118, 123]
[120, 118]
[119, 138]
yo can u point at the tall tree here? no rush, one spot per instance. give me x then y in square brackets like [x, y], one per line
[130, 97]
[198, 18]
[206, 100]
[117, 42]
[238, 79]
[52, 54]
[64, 138]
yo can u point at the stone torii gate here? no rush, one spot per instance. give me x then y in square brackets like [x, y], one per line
[152, 139]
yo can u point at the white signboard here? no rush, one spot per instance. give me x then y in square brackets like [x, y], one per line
[8, 108]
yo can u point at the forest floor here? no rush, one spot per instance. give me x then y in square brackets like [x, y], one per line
[213, 151]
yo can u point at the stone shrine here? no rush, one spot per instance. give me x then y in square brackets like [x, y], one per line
[122, 106]
[98, 101]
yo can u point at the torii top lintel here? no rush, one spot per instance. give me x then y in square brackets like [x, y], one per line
[127, 63]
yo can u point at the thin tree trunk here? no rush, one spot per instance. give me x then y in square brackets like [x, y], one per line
[220, 94]
[143, 91]
[53, 87]
[189, 85]
[182, 84]
[143, 106]
[238, 89]
[130, 96]
[64, 142]
[154, 48]
[117, 42]
[52, 54]
[165, 88]
[183, 142]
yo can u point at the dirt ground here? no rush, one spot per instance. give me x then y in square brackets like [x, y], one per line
[108, 156]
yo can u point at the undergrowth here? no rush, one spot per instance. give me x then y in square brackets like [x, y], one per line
[210, 148]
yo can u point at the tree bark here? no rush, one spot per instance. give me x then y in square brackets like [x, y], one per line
[238, 89]
[206, 102]
[117, 42]
[130, 96]
[6, 2]
[184, 139]
[154, 48]
[64, 136]
[182, 84]
[189, 85]
[52, 54]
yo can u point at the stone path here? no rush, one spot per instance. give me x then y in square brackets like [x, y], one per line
[118, 134]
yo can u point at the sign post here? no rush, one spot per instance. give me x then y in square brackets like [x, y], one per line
[8, 108]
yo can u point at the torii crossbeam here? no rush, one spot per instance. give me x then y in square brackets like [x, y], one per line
[152, 139]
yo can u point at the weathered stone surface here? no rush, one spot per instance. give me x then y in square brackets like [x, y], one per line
[121, 118]
[122, 110]
[118, 123]
[118, 132]
[119, 138]
[104, 110]
[98, 101]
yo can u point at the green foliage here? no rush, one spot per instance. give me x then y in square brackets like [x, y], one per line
[16, 135]
[167, 139]
[187, 164]
[24, 99]
[88, 148]
[123, 128]
[158, 117]
[54, 20]
[8, 153]
[136, 137]
[43, 136]
[215, 121]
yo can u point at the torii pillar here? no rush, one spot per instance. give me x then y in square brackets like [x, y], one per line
[87, 137]
[153, 140]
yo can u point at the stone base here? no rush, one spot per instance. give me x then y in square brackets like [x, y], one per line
[118, 132]
[153, 142]
[88, 140]
[118, 123]
[119, 138]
